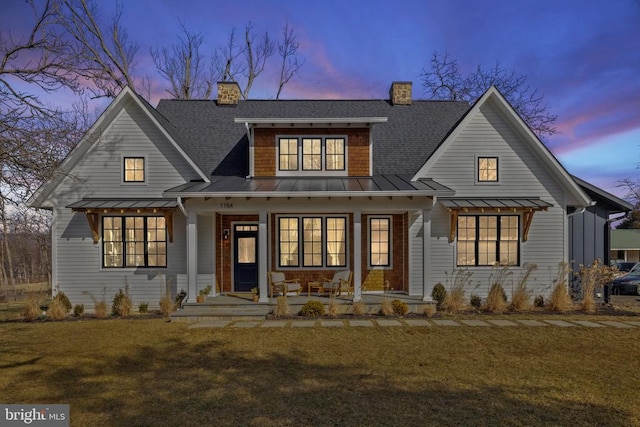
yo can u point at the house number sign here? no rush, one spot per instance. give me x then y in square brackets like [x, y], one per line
[226, 205]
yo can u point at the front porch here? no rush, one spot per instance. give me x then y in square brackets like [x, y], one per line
[240, 306]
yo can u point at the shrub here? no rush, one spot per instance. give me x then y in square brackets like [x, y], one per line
[521, 298]
[399, 307]
[538, 301]
[429, 310]
[282, 306]
[30, 310]
[312, 308]
[167, 306]
[100, 309]
[386, 309]
[333, 308]
[439, 293]
[56, 310]
[560, 300]
[590, 278]
[143, 307]
[78, 310]
[63, 301]
[475, 301]
[121, 304]
[359, 308]
[497, 299]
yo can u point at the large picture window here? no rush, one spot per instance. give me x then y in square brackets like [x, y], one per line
[313, 154]
[134, 241]
[322, 239]
[380, 242]
[486, 240]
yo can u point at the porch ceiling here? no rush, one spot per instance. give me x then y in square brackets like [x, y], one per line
[379, 185]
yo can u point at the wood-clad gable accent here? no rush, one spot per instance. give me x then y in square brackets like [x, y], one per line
[358, 147]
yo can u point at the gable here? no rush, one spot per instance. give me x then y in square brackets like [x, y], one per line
[526, 167]
[95, 168]
[129, 121]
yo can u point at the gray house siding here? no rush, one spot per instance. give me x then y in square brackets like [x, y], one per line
[77, 264]
[521, 174]
[589, 236]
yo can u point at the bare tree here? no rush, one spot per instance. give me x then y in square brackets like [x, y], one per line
[34, 136]
[444, 79]
[184, 68]
[104, 53]
[288, 51]
[243, 62]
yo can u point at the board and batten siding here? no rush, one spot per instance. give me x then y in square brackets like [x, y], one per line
[77, 260]
[521, 174]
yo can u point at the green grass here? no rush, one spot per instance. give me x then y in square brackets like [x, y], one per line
[150, 372]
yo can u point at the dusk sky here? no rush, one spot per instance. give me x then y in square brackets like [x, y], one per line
[583, 55]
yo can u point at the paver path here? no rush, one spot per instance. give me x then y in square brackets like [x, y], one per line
[414, 322]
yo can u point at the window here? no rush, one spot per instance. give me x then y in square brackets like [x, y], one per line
[322, 239]
[380, 242]
[335, 154]
[288, 242]
[134, 169]
[288, 154]
[312, 238]
[313, 153]
[134, 241]
[484, 240]
[487, 169]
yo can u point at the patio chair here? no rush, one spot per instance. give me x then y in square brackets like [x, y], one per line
[278, 283]
[340, 282]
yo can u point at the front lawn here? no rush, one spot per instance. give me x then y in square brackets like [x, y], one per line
[150, 372]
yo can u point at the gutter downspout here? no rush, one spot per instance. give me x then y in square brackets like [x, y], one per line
[581, 211]
[181, 206]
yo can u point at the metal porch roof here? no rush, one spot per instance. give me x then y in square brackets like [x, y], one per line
[379, 185]
[493, 203]
[90, 204]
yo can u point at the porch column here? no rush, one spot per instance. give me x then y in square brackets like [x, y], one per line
[427, 287]
[357, 255]
[214, 240]
[192, 254]
[262, 256]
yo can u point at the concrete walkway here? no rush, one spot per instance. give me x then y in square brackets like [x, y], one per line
[412, 322]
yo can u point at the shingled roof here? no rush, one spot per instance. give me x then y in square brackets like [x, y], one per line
[219, 146]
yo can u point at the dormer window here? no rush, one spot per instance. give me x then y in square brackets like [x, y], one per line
[315, 154]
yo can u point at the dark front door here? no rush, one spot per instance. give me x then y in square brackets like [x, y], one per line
[245, 257]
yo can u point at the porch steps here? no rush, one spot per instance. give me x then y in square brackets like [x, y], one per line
[197, 312]
[238, 307]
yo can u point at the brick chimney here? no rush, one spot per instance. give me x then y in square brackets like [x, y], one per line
[228, 93]
[400, 93]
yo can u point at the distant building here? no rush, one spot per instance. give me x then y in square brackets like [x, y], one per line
[625, 245]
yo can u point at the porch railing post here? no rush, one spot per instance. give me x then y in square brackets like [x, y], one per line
[262, 256]
[357, 255]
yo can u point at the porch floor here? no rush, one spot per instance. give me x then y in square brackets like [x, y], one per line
[241, 305]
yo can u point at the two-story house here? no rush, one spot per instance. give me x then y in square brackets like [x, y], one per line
[220, 192]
